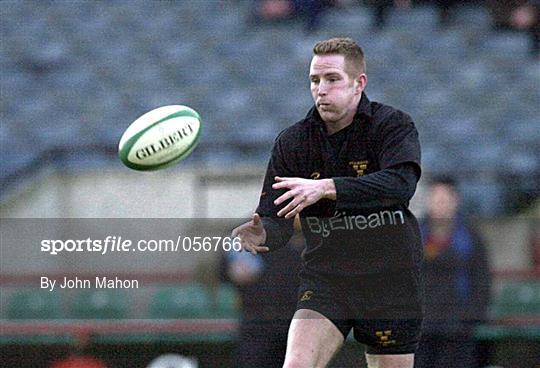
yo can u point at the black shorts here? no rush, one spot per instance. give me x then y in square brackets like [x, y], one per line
[384, 310]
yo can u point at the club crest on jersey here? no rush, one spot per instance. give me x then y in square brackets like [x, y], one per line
[359, 166]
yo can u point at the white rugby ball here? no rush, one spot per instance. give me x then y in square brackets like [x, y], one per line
[160, 138]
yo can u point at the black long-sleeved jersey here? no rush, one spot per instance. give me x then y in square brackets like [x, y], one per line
[375, 164]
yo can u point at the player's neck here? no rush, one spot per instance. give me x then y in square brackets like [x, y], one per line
[346, 120]
[336, 126]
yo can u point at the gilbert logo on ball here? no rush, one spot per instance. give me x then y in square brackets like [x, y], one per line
[160, 138]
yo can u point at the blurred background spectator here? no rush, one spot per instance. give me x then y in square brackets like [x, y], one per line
[382, 8]
[268, 286]
[447, 10]
[79, 362]
[521, 15]
[309, 11]
[80, 357]
[457, 281]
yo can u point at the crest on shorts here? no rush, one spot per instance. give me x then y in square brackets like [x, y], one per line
[385, 337]
[306, 296]
[359, 166]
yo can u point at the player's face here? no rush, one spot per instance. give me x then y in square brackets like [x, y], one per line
[443, 202]
[335, 93]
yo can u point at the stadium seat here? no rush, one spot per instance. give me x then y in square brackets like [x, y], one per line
[514, 342]
[93, 95]
[482, 196]
[100, 304]
[420, 19]
[184, 301]
[351, 20]
[29, 303]
[512, 43]
[34, 304]
[518, 299]
[227, 302]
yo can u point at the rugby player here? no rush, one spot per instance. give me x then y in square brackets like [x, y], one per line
[348, 169]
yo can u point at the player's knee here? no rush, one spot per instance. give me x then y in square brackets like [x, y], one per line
[390, 361]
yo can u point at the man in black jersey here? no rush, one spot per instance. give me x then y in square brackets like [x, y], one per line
[348, 170]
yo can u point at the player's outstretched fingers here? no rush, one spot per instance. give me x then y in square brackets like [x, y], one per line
[285, 196]
[283, 183]
[289, 210]
[295, 211]
[245, 246]
[261, 249]
[253, 249]
[248, 245]
[251, 235]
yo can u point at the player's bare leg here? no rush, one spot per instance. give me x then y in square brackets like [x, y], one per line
[312, 341]
[390, 360]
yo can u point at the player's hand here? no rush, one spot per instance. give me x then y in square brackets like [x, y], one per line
[303, 192]
[252, 235]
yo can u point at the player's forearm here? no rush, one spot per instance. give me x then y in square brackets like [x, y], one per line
[387, 187]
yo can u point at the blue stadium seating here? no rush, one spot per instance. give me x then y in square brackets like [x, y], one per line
[87, 69]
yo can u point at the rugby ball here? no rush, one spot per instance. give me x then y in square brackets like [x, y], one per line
[160, 138]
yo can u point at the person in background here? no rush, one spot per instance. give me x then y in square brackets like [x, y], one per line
[456, 278]
[268, 287]
[446, 10]
[79, 362]
[309, 11]
[520, 15]
[80, 358]
[382, 9]
[526, 17]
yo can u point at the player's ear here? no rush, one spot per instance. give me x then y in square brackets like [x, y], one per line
[360, 83]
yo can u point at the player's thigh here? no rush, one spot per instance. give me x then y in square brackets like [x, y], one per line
[312, 341]
[390, 360]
